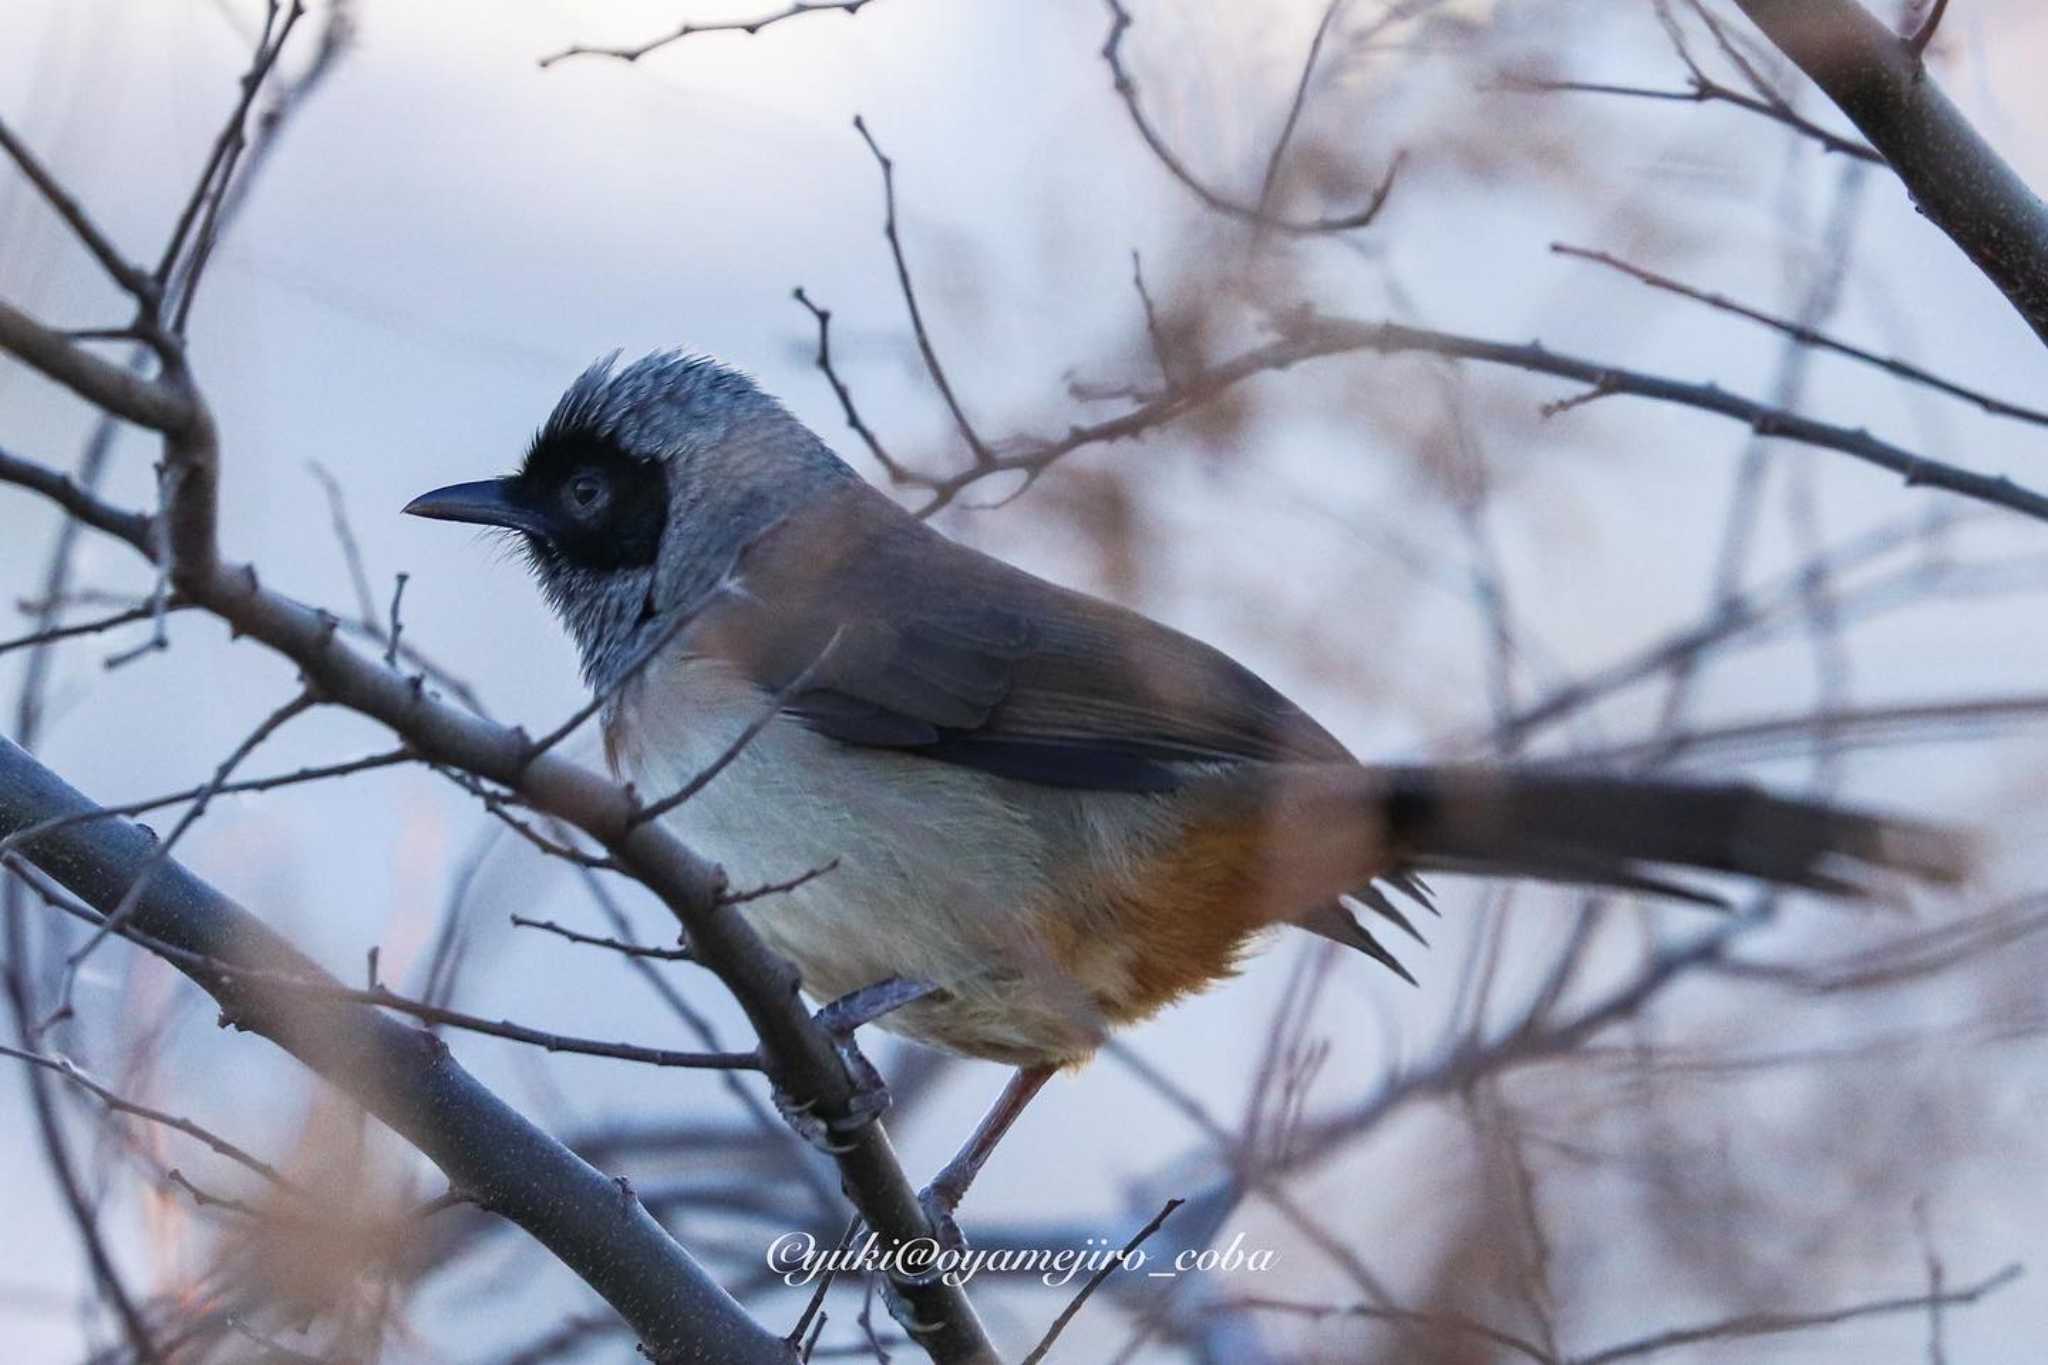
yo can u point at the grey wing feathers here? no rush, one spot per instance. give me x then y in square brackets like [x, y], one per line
[940, 650]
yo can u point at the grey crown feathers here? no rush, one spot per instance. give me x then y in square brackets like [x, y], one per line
[700, 428]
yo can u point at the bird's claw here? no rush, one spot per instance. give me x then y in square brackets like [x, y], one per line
[833, 1134]
[938, 1202]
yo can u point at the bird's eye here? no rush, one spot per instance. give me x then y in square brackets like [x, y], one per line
[586, 492]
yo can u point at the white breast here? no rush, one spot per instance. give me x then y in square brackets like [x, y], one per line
[941, 875]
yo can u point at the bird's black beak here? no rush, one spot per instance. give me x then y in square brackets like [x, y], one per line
[491, 502]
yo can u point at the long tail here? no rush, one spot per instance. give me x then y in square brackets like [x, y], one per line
[1331, 832]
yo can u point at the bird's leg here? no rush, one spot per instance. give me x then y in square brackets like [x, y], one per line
[842, 1016]
[946, 1191]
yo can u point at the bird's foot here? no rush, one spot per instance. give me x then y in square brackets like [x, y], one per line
[834, 1134]
[938, 1200]
[943, 1196]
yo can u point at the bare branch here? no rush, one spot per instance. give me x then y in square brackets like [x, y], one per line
[387, 759]
[1808, 336]
[1271, 179]
[426, 1011]
[63, 1066]
[778, 888]
[1704, 90]
[1920, 722]
[979, 448]
[104, 623]
[1120, 22]
[397, 626]
[209, 191]
[1955, 178]
[345, 537]
[617, 945]
[133, 527]
[1152, 329]
[384, 998]
[796, 9]
[145, 402]
[119, 268]
[770, 709]
[1309, 337]
[1777, 1324]
[1108, 1268]
[265, 728]
[1923, 35]
[1432, 1321]
[499, 805]
[823, 360]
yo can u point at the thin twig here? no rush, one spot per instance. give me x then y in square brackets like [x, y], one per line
[979, 448]
[1108, 1268]
[269, 725]
[63, 1066]
[1271, 179]
[225, 973]
[766, 889]
[211, 186]
[796, 9]
[118, 267]
[367, 763]
[1152, 328]
[823, 360]
[1923, 35]
[677, 954]
[1703, 90]
[1808, 336]
[159, 609]
[345, 537]
[769, 711]
[811, 1312]
[500, 805]
[1777, 1324]
[397, 626]
[1432, 1321]
[602, 697]
[1120, 22]
[105, 623]
[1309, 338]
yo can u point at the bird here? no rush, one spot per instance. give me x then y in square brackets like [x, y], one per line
[1054, 814]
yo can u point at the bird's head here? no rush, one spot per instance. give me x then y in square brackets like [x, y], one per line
[641, 489]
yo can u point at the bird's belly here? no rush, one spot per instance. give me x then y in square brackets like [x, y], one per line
[934, 872]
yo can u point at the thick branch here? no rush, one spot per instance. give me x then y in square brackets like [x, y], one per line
[145, 402]
[61, 489]
[1954, 176]
[403, 1075]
